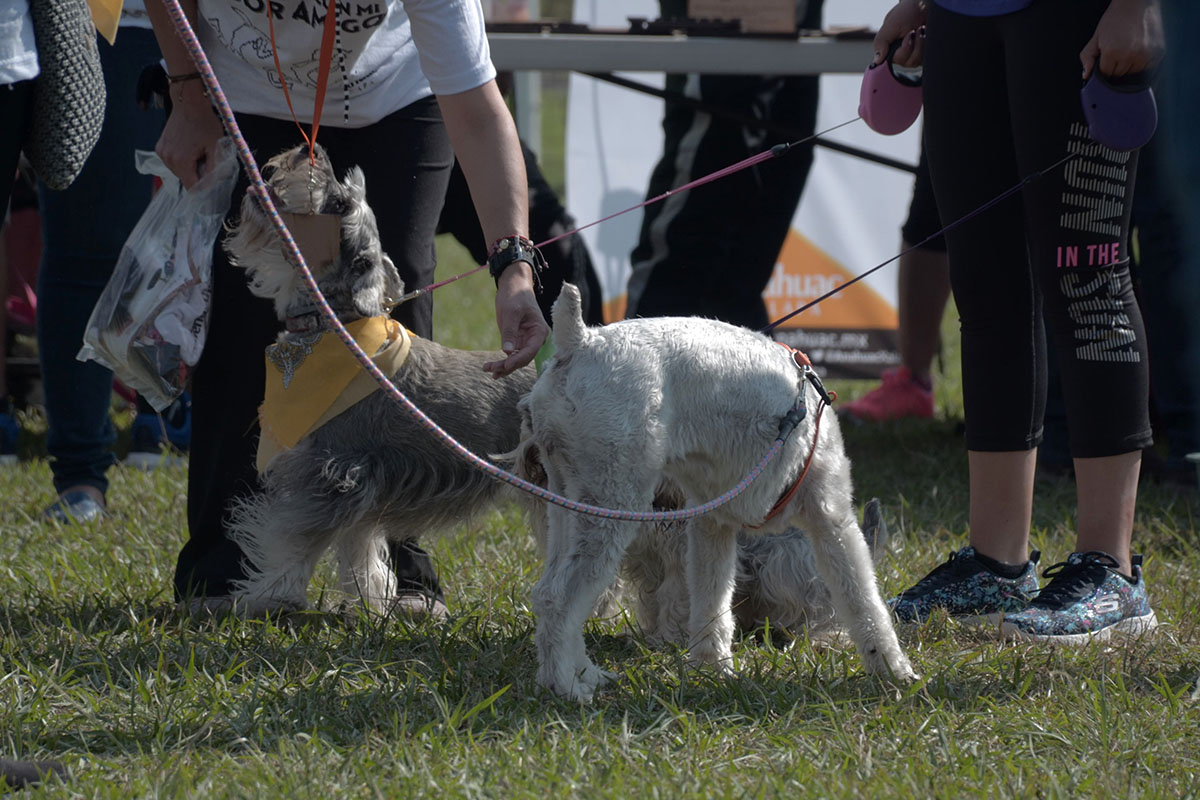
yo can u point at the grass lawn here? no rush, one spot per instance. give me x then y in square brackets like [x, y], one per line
[99, 670]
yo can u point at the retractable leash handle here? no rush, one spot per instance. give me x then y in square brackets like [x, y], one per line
[887, 102]
[1121, 112]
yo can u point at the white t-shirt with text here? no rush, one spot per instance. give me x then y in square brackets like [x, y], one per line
[387, 54]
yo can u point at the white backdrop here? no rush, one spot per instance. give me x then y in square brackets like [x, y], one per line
[848, 221]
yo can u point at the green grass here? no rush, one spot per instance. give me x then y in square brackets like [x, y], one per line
[97, 668]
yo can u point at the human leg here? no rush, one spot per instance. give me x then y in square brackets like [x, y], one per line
[406, 159]
[689, 243]
[407, 198]
[84, 228]
[1078, 219]
[227, 388]
[923, 287]
[971, 161]
[1081, 257]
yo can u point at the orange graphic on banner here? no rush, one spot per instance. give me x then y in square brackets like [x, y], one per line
[803, 273]
[615, 309]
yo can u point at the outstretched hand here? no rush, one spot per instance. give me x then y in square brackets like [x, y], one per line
[523, 329]
[1128, 39]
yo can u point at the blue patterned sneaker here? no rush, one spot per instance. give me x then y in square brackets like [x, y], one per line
[1086, 599]
[965, 589]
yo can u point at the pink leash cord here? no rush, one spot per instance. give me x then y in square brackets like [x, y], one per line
[196, 52]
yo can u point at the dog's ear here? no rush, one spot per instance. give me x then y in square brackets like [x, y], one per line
[356, 185]
[393, 285]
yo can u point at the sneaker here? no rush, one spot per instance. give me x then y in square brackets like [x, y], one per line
[1087, 599]
[967, 590]
[10, 432]
[897, 396]
[161, 439]
[76, 506]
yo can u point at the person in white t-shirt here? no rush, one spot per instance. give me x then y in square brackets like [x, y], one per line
[411, 87]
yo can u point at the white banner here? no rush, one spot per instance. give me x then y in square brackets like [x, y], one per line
[848, 221]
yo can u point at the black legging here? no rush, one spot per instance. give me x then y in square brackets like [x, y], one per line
[1001, 103]
[407, 159]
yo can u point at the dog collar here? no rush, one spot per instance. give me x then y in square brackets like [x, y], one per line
[313, 321]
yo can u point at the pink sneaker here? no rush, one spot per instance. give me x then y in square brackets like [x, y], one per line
[896, 397]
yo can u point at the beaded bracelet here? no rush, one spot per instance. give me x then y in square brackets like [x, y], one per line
[512, 248]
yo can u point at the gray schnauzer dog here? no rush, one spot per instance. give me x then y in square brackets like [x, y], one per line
[371, 474]
[700, 403]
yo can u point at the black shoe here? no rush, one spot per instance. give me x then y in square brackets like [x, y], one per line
[19, 774]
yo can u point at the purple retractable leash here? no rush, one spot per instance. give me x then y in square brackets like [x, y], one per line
[1120, 112]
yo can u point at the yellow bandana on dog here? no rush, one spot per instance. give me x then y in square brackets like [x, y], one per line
[313, 378]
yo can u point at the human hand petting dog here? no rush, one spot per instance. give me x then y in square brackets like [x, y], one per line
[523, 329]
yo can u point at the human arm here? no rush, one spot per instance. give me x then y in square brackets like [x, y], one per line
[1128, 39]
[485, 142]
[190, 135]
[905, 21]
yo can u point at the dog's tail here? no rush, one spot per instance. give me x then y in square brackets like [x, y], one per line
[569, 329]
[874, 528]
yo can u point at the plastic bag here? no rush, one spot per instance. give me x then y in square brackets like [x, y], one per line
[150, 322]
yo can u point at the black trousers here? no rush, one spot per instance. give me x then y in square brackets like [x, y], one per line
[1001, 103]
[711, 251]
[407, 160]
[567, 259]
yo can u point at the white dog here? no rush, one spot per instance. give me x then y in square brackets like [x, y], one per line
[777, 581]
[697, 403]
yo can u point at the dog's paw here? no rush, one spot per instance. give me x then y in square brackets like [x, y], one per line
[709, 653]
[890, 666]
[579, 685]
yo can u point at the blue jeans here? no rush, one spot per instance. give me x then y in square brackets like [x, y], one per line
[83, 230]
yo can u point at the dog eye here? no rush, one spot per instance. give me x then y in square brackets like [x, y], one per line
[267, 172]
[335, 205]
